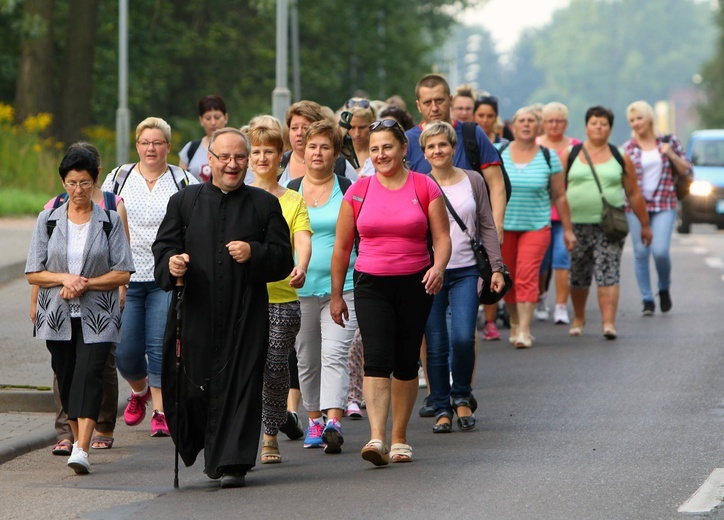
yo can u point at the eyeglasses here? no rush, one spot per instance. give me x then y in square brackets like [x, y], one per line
[357, 102]
[155, 144]
[555, 121]
[71, 185]
[225, 157]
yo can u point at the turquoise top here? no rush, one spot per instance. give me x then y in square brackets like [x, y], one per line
[324, 224]
[584, 199]
[529, 207]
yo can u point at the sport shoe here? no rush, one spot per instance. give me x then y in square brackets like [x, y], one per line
[560, 314]
[332, 437]
[665, 301]
[490, 331]
[78, 460]
[353, 411]
[427, 409]
[649, 308]
[159, 428]
[314, 435]
[292, 428]
[541, 310]
[136, 408]
[421, 383]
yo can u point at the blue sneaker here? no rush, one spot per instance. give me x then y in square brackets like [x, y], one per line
[314, 435]
[332, 437]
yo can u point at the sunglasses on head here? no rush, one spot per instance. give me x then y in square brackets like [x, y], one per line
[357, 102]
[385, 123]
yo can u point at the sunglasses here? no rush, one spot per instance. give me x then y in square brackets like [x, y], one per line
[357, 102]
[385, 123]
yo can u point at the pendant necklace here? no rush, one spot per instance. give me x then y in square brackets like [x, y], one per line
[316, 199]
[150, 181]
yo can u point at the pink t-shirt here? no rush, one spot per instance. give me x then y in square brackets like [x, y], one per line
[392, 227]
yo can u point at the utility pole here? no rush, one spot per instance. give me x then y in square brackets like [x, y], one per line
[281, 95]
[123, 117]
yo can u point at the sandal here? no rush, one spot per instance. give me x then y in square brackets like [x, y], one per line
[513, 334]
[63, 447]
[400, 452]
[376, 452]
[101, 442]
[270, 452]
[609, 332]
[576, 330]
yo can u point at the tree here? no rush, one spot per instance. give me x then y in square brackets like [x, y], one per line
[34, 90]
[712, 110]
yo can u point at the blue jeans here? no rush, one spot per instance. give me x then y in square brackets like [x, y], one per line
[460, 293]
[144, 322]
[662, 226]
[557, 253]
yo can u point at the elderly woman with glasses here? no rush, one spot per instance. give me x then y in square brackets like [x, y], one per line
[79, 256]
[145, 187]
[394, 212]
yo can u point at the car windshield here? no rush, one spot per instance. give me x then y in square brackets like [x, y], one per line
[708, 153]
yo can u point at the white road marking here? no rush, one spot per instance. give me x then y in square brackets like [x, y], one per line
[714, 262]
[698, 250]
[708, 496]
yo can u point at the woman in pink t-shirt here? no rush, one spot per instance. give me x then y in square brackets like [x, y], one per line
[393, 211]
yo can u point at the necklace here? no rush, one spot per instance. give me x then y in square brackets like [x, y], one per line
[316, 199]
[150, 181]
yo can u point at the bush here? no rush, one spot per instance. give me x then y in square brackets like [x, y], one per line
[16, 202]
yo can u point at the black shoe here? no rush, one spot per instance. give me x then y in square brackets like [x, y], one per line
[444, 427]
[649, 308]
[665, 301]
[427, 409]
[465, 423]
[233, 480]
[292, 428]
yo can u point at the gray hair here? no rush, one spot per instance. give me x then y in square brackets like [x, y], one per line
[228, 130]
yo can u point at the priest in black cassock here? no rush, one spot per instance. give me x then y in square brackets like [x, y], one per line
[225, 240]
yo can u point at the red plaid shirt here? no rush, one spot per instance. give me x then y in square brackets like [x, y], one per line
[665, 195]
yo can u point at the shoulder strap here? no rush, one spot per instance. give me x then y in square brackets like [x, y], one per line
[503, 147]
[295, 184]
[452, 211]
[575, 150]
[595, 175]
[50, 226]
[109, 200]
[285, 160]
[107, 224]
[340, 166]
[546, 156]
[472, 150]
[193, 147]
[60, 200]
[617, 155]
[421, 192]
[119, 180]
[179, 177]
[358, 197]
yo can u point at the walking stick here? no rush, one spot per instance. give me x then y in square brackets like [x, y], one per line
[179, 301]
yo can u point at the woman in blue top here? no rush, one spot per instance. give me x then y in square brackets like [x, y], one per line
[536, 176]
[322, 346]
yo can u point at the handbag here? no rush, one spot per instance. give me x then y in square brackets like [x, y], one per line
[613, 218]
[486, 296]
[682, 180]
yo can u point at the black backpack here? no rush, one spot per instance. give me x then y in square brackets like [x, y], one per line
[107, 225]
[576, 149]
[109, 200]
[192, 149]
[546, 153]
[472, 151]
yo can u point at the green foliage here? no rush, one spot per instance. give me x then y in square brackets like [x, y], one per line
[712, 111]
[16, 202]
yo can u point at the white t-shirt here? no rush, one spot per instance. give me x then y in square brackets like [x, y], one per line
[199, 165]
[77, 237]
[652, 168]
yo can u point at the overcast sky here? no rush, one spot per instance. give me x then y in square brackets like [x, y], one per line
[505, 19]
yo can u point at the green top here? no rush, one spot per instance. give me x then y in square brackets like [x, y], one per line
[583, 196]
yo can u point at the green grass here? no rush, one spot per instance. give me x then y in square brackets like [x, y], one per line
[17, 202]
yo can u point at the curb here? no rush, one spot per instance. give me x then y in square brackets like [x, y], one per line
[10, 272]
[25, 401]
[30, 443]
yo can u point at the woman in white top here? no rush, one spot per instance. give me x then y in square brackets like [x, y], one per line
[146, 187]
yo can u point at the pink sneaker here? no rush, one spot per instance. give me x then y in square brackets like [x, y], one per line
[136, 409]
[490, 331]
[159, 428]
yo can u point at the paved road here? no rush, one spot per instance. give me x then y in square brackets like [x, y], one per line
[579, 428]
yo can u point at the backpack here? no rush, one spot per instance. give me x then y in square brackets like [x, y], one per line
[472, 152]
[109, 200]
[193, 147]
[340, 166]
[107, 225]
[344, 183]
[180, 177]
[576, 149]
[546, 153]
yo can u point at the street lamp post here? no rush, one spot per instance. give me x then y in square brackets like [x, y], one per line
[281, 95]
[123, 118]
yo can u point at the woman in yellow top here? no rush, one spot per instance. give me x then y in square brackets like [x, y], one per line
[285, 315]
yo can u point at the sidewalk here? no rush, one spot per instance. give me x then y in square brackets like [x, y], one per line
[26, 403]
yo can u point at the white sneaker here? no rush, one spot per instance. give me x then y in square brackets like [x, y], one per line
[560, 314]
[541, 310]
[78, 460]
[421, 383]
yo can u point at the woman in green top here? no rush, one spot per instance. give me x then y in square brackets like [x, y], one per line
[594, 253]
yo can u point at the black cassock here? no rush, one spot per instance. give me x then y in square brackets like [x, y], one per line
[225, 321]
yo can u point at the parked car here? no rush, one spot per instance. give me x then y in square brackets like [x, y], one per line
[705, 203]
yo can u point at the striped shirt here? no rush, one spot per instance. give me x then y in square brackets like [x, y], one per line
[529, 207]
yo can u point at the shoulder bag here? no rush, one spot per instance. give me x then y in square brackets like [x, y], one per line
[682, 180]
[613, 219]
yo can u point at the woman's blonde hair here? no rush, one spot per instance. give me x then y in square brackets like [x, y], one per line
[154, 122]
[555, 107]
[642, 108]
[262, 135]
[439, 128]
[530, 109]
